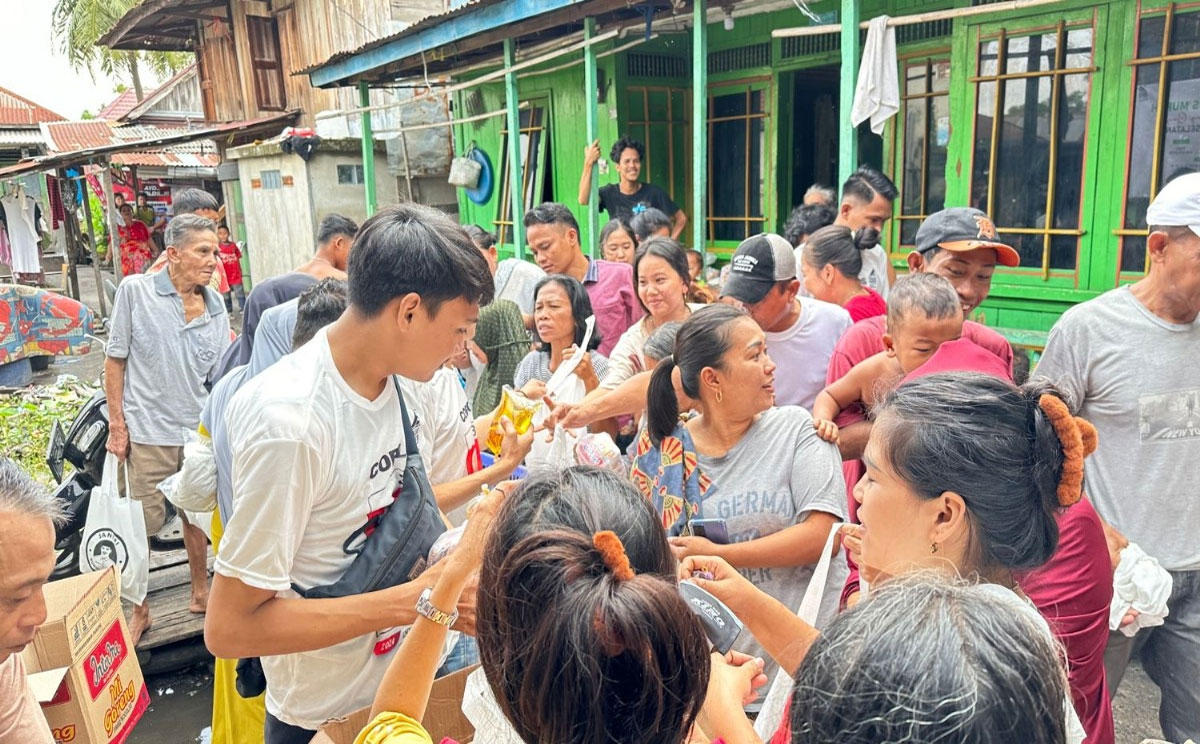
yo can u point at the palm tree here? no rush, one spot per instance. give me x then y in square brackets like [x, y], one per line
[79, 24]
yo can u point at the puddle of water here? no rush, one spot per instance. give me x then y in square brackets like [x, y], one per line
[180, 709]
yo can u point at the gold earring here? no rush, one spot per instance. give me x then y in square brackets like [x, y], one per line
[719, 396]
[933, 548]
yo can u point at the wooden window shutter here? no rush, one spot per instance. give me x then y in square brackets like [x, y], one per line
[266, 63]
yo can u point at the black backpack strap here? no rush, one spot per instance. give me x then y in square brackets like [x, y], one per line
[410, 439]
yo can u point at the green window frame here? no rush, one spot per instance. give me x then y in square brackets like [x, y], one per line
[921, 145]
[535, 173]
[659, 117]
[739, 116]
[1054, 68]
[1166, 46]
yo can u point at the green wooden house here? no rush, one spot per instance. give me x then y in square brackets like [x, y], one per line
[1051, 116]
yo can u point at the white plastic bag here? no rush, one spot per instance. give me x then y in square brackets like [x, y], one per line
[556, 454]
[778, 694]
[114, 533]
[194, 488]
[171, 488]
[565, 387]
[481, 709]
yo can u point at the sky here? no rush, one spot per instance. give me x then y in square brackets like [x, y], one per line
[36, 69]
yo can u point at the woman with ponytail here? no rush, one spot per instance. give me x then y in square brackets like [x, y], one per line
[967, 476]
[760, 470]
[831, 261]
[583, 634]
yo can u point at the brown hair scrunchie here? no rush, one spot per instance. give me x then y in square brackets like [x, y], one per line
[612, 550]
[1078, 439]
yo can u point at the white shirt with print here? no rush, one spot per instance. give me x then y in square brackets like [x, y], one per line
[313, 460]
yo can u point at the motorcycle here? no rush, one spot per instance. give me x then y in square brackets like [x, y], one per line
[84, 445]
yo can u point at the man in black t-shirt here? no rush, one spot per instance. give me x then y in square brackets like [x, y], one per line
[630, 196]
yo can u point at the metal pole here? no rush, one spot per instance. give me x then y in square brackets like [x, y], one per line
[113, 234]
[593, 127]
[368, 149]
[514, 148]
[699, 126]
[848, 141]
[91, 231]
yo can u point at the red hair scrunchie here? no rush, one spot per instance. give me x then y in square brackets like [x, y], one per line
[612, 550]
[1078, 439]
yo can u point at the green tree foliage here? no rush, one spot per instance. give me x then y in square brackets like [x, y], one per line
[79, 24]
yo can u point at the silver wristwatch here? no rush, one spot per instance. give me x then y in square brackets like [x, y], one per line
[426, 610]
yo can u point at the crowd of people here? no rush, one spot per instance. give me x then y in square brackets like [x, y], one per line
[141, 239]
[807, 429]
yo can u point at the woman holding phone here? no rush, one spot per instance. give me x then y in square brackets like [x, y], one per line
[966, 476]
[742, 469]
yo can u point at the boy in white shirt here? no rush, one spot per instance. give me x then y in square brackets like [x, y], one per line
[320, 455]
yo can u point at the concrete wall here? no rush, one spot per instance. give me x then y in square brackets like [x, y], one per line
[329, 196]
[281, 223]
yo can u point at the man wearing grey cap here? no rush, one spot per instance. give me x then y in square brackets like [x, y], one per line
[800, 337]
[1127, 359]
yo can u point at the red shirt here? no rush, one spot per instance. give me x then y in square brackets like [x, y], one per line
[866, 306]
[864, 340]
[231, 259]
[1073, 592]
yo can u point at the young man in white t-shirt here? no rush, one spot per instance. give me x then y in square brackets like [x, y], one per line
[867, 198]
[319, 453]
[800, 336]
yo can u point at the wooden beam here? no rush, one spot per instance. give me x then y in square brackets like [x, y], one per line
[110, 213]
[91, 231]
[699, 128]
[908, 20]
[70, 233]
[368, 150]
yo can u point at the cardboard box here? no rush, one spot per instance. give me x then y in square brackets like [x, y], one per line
[443, 715]
[82, 667]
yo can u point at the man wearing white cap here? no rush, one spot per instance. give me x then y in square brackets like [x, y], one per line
[1128, 361]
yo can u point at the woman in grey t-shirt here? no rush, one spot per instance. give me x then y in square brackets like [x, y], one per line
[762, 470]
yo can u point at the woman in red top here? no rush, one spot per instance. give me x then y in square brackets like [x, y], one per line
[136, 252]
[832, 260]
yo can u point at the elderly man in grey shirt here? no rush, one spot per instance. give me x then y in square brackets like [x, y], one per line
[168, 332]
[1127, 360]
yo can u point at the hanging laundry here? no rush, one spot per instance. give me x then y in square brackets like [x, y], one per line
[877, 95]
[5, 249]
[58, 216]
[21, 214]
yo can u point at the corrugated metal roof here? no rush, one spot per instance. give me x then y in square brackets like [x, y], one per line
[15, 109]
[119, 106]
[169, 158]
[424, 23]
[164, 138]
[65, 136]
[21, 137]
